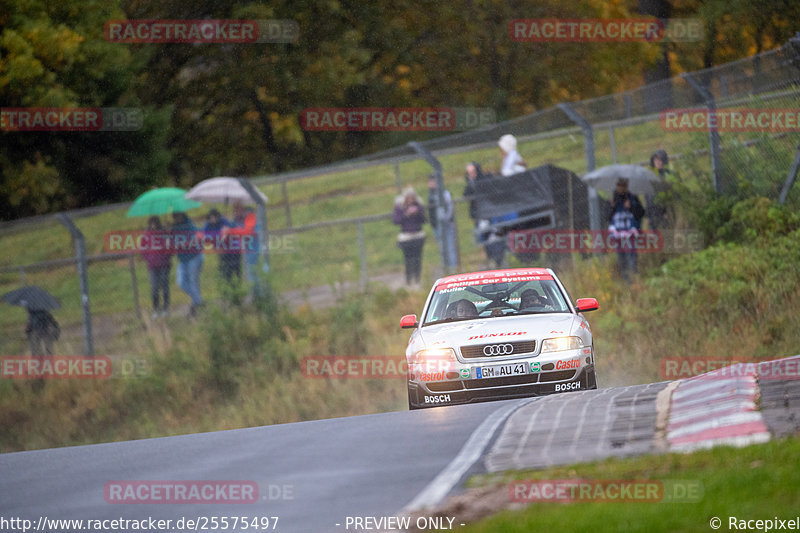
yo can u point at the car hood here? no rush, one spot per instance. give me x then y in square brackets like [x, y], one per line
[486, 330]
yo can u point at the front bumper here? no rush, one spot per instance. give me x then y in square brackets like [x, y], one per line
[453, 392]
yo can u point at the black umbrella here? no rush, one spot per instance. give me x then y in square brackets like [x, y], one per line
[32, 297]
[641, 180]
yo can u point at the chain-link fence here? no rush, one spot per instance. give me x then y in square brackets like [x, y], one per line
[330, 228]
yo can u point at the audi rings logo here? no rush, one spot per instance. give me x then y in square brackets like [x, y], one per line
[498, 349]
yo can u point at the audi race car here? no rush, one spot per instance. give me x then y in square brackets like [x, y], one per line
[498, 334]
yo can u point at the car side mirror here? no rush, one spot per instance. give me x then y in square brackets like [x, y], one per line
[409, 321]
[586, 304]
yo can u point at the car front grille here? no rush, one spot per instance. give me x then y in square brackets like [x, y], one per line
[509, 381]
[518, 348]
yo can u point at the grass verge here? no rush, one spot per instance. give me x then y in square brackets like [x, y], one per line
[756, 482]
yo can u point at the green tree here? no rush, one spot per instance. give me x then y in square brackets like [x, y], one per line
[52, 54]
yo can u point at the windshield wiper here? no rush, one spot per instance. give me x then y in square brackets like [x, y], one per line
[451, 319]
[517, 313]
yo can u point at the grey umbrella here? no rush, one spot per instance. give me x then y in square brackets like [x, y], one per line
[31, 297]
[641, 180]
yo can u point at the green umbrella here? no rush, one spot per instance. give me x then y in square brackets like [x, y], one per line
[161, 201]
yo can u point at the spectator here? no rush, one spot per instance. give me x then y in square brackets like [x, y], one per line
[229, 262]
[659, 161]
[190, 262]
[512, 161]
[234, 260]
[494, 243]
[446, 237]
[473, 175]
[249, 234]
[657, 213]
[625, 221]
[42, 331]
[159, 263]
[409, 214]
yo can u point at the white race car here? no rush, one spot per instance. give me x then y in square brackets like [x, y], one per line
[498, 334]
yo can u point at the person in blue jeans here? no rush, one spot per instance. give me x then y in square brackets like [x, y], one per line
[624, 222]
[190, 261]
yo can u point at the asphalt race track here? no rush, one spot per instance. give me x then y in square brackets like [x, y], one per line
[314, 475]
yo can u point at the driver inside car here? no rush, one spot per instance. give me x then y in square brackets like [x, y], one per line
[462, 309]
[531, 298]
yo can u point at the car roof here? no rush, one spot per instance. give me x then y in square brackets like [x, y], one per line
[494, 276]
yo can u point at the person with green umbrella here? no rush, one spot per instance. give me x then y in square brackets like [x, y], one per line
[190, 262]
[161, 201]
[159, 264]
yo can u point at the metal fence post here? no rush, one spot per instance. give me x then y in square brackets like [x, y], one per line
[398, 181]
[362, 253]
[713, 133]
[83, 275]
[588, 147]
[135, 285]
[286, 204]
[442, 226]
[613, 144]
[262, 218]
[787, 185]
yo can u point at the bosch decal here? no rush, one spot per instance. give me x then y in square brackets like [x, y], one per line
[442, 398]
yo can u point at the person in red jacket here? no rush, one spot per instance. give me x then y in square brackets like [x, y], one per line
[159, 264]
[247, 234]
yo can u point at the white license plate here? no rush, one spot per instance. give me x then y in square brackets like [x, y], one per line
[516, 369]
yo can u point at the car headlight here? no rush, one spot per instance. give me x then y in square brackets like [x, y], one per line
[559, 344]
[434, 358]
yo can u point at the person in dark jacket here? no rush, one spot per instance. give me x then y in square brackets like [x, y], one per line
[657, 213]
[190, 260]
[42, 331]
[409, 214]
[624, 222]
[230, 263]
[473, 175]
[159, 264]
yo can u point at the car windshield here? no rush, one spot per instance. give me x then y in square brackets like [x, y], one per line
[493, 300]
